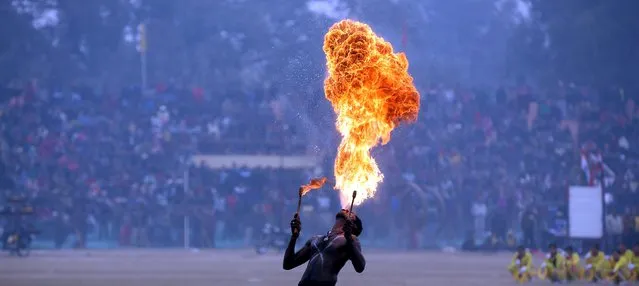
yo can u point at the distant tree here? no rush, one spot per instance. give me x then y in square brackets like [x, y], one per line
[20, 43]
[247, 44]
[91, 35]
[587, 41]
[85, 41]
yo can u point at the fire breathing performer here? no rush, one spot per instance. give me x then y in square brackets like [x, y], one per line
[371, 92]
[326, 254]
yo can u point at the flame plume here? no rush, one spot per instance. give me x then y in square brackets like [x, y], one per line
[371, 92]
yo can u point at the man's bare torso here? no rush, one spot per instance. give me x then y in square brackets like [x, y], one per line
[328, 257]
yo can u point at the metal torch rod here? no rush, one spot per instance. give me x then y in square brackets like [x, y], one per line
[299, 203]
[353, 201]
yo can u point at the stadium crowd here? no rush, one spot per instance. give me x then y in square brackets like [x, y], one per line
[515, 151]
[114, 161]
[111, 163]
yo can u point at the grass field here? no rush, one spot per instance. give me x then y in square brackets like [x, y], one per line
[242, 267]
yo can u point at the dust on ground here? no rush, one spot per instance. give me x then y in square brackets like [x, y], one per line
[138, 267]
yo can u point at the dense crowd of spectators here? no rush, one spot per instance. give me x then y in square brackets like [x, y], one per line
[491, 156]
[114, 162]
[111, 164]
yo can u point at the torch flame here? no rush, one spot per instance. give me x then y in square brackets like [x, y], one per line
[312, 185]
[371, 92]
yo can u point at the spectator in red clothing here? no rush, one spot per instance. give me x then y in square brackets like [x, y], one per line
[198, 94]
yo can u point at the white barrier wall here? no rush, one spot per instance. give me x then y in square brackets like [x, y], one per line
[254, 161]
[585, 212]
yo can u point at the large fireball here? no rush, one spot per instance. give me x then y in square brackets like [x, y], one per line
[371, 92]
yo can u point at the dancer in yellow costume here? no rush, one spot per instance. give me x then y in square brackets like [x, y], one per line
[625, 252]
[574, 270]
[554, 266]
[594, 263]
[615, 268]
[633, 263]
[521, 267]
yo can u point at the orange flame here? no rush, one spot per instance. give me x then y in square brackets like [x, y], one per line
[371, 92]
[312, 185]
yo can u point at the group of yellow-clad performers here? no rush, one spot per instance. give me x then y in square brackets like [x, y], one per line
[566, 265]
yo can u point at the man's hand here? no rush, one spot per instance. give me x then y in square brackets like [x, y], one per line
[296, 226]
[523, 270]
[349, 228]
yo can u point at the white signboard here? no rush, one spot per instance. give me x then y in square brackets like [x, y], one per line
[585, 212]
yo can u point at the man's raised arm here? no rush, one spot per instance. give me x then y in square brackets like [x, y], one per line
[356, 256]
[293, 259]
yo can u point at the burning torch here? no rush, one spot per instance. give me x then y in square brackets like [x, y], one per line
[303, 190]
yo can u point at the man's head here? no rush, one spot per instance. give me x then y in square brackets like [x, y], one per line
[616, 254]
[594, 249]
[345, 215]
[553, 248]
[521, 250]
[622, 248]
[569, 250]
